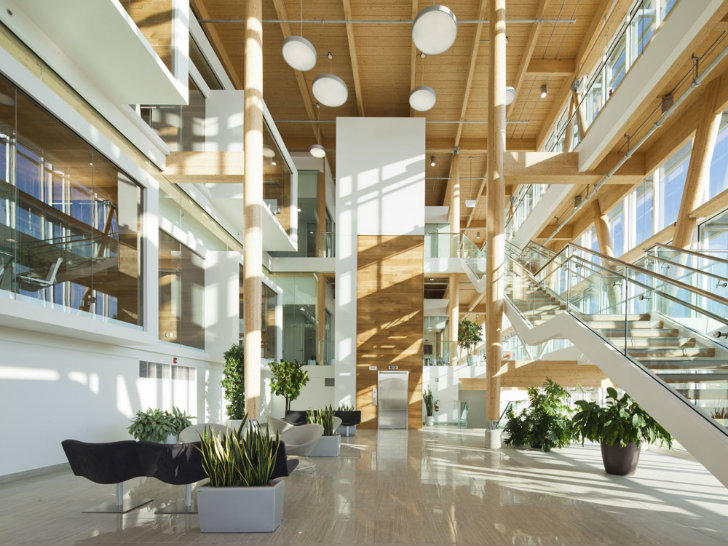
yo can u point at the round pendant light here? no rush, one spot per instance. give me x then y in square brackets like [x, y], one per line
[510, 95]
[299, 53]
[330, 90]
[268, 152]
[317, 151]
[422, 98]
[434, 29]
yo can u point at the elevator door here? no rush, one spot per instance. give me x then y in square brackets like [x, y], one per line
[393, 394]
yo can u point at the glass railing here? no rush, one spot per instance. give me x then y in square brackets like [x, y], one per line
[442, 245]
[440, 353]
[311, 244]
[523, 204]
[473, 255]
[663, 324]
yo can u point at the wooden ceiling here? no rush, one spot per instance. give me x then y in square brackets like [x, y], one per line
[381, 56]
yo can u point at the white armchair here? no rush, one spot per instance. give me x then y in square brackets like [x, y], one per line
[302, 439]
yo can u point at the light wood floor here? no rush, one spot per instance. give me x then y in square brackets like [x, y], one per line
[437, 486]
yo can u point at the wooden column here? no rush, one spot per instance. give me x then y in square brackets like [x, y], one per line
[454, 287]
[601, 226]
[320, 318]
[495, 225]
[321, 216]
[253, 203]
[453, 308]
[580, 115]
[699, 168]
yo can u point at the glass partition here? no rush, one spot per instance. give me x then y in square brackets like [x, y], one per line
[70, 220]
[181, 293]
[269, 326]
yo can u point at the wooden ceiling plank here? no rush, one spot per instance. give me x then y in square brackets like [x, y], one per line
[353, 57]
[220, 49]
[282, 14]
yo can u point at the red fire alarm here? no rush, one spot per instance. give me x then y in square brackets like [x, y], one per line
[174, 360]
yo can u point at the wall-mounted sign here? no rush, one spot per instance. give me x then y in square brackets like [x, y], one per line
[394, 367]
[372, 368]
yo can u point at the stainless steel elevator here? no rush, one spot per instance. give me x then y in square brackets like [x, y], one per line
[393, 395]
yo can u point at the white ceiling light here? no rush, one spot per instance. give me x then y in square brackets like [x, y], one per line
[434, 29]
[470, 203]
[299, 53]
[268, 152]
[330, 90]
[510, 95]
[422, 98]
[317, 151]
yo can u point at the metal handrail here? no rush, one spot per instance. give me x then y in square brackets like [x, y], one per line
[681, 266]
[691, 252]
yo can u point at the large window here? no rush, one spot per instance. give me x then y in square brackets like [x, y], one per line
[644, 211]
[616, 229]
[719, 161]
[181, 293]
[672, 181]
[300, 317]
[70, 220]
[268, 337]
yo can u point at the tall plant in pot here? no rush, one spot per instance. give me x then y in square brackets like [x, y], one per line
[240, 496]
[289, 378]
[330, 442]
[620, 426]
[429, 400]
[469, 335]
[233, 383]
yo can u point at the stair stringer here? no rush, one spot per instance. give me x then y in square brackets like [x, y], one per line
[703, 439]
[477, 282]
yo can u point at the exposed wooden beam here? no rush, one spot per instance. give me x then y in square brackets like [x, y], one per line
[528, 53]
[413, 55]
[471, 69]
[711, 207]
[601, 226]
[201, 167]
[282, 15]
[698, 174]
[551, 67]
[353, 56]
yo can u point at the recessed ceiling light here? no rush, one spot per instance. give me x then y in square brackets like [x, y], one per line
[510, 95]
[434, 29]
[544, 91]
[299, 53]
[330, 90]
[422, 98]
[317, 151]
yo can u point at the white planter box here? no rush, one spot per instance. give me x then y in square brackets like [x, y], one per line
[430, 420]
[240, 509]
[327, 446]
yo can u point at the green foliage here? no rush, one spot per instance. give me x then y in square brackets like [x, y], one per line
[324, 417]
[288, 380]
[620, 420]
[233, 381]
[469, 334]
[345, 407]
[429, 399]
[237, 459]
[155, 425]
[545, 423]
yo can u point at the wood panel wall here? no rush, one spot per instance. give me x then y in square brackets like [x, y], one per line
[389, 325]
[154, 19]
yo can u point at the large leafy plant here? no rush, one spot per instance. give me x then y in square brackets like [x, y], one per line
[621, 420]
[288, 380]
[324, 417]
[154, 425]
[545, 423]
[233, 381]
[469, 334]
[238, 458]
[429, 399]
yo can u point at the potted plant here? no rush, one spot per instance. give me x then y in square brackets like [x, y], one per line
[288, 380]
[544, 424]
[233, 383]
[469, 334]
[620, 426]
[350, 417]
[720, 415]
[429, 400]
[154, 425]
[240, 496]
[330, 442]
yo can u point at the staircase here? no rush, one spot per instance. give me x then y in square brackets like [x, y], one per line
[653, 336]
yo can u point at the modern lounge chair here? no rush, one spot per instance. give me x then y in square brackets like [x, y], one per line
[302, 439]
[193, 433]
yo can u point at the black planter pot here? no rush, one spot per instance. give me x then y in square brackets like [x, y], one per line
[621, 461]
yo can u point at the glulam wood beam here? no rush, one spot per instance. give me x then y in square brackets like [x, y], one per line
[353, 56]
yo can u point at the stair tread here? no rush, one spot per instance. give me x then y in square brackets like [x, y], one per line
[681, 351]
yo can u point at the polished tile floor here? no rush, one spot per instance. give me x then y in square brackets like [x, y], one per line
[438, 486]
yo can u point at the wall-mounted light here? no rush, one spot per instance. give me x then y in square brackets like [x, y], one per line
[544, 91]
[432, 161]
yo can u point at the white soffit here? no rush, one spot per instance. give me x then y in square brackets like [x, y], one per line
[682, 25]
[436, 215]
[100, 39]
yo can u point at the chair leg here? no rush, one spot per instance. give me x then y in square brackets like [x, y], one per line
[119, 506]
[178, 507]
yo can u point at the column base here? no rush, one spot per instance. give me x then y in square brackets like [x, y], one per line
[493, 438]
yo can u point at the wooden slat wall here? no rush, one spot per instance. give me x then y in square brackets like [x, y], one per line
[390, 292]
[154, 19]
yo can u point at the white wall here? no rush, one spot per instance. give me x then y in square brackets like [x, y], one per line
[380, 190]
[53, 388]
